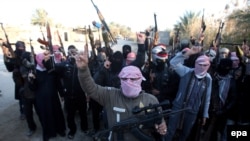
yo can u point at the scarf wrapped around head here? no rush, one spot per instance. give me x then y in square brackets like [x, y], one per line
[131, 78]
[57, 53]
[202, 65]
[39, 60]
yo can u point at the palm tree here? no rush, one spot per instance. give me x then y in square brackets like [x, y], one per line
[40, 17]
[188, 24]
[238, 25]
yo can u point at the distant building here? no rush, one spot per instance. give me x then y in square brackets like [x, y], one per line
[164, 37]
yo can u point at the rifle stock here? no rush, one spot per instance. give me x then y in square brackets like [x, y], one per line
[9, 52]
[43, 42]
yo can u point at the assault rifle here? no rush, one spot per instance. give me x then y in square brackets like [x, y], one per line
[50, 45]
[217, 42]
[43, 41]
[176, 42]
[86, 36]
[10, 53]
[152, 115]
[91, 39]
[61, 49]
[32, 56]
[155, 40]
[203, 27]
[104, 24]
[32, 62]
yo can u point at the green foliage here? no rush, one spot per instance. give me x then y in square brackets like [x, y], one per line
[40, 17]
[117, 30]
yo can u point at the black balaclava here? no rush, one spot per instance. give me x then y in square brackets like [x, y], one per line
[101, 58]
[125, 50]
[20, 48]
[160, 64]
[224, 66]
[116, 61]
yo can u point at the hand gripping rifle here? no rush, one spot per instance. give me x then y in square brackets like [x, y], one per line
[104, 24]
[152, 115]
[10, 53]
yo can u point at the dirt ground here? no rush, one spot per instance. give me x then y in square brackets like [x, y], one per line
[14, 129]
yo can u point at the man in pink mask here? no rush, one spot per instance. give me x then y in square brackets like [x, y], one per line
[118, 102]
[131, 79]
[57, 53]
[194, 93]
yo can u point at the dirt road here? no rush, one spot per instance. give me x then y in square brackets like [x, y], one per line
[14, 129]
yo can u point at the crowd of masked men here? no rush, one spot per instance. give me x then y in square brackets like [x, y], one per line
[215, 90]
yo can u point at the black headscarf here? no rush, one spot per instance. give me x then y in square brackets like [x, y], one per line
[125, 50]
[20, 48]
[116, 61]
[224, 66]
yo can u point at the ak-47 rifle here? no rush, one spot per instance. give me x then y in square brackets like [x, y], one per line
[154, 41]
[10, 53]
[203, 28]
[105, 28]
[50, 45]
[32, 56]
[32, 59]
[43, 41]
[61, 49]
[176, 41]
[91, 39]
[156, 33]
[217, 42]
[152, 115]
[86, 37]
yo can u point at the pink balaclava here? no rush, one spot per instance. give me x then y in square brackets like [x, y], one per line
[130, 58]
[131, 88]
[202, 64]
[57, 53]
[39, 60]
